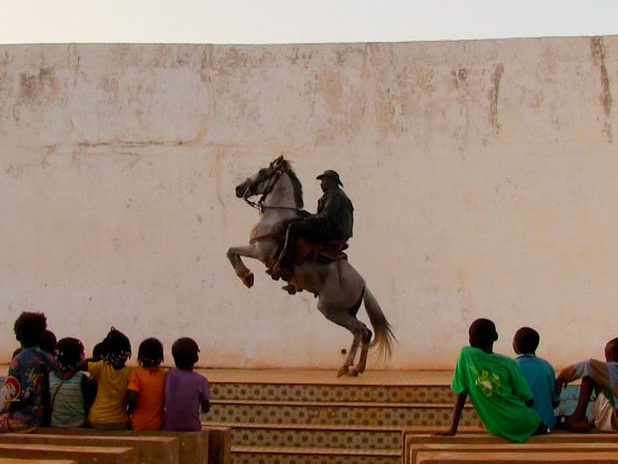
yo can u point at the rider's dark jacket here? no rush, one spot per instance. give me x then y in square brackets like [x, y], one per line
[335, 214]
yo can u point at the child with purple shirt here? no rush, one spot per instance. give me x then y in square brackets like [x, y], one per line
[185, 390]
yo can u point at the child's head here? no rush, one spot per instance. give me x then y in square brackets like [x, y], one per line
[48, 342]
[611, 350]
[29, 327]
[526, 341]
[185, 352]
[97, 351]
[70, 352]
[150, 353]
[116, 348]
[483, 334]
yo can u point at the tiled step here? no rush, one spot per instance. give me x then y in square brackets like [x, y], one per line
[317, 436]
[270, 455]
[335, 393]
[332, 413]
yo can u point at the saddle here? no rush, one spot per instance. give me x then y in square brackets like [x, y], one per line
[306, 250]
[322, 252]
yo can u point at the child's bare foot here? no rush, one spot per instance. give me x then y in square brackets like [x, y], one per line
[578, 424]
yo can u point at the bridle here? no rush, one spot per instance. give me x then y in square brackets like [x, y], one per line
[259, 205]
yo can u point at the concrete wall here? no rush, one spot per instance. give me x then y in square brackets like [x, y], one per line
[483, 175]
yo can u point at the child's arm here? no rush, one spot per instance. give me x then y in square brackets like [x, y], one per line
[131, 401]
[457, 409]
[85, 385]
[83, 364]
[205, 405]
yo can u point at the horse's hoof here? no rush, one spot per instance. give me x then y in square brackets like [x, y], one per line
[343, 370]
[353, 373]
[248, 280]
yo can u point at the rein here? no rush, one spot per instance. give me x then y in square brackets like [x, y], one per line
[259, 205]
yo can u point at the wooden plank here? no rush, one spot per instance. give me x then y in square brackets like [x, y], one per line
[509, 457]
[193, 446]
[485, 438]
[417, 449]
[148, 450]
[79, 454]
[35, 461]
[219, 444]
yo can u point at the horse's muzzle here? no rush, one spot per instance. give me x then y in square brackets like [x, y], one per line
[242, 190]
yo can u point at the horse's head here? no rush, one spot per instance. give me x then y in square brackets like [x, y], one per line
[265, 179]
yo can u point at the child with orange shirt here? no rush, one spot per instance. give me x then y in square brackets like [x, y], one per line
[146, 387]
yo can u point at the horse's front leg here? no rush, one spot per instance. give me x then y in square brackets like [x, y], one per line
[234, 254]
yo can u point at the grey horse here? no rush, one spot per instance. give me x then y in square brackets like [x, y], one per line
[340, 289]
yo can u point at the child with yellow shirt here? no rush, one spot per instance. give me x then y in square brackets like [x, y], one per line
[112, 376]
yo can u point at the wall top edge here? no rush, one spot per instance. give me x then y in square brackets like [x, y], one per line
[304, 44]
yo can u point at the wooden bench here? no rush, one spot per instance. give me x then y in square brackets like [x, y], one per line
[549, 448]
[473, 435]
[35, 461]
[506, 457]
[79, 454]
[194, 447]
[148, 450]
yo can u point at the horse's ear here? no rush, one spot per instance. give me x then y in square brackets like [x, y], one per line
[278, 162]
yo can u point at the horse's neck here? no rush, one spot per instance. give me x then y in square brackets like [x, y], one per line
[282, 194]
[279, 206]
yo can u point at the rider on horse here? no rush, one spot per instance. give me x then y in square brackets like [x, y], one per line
[332, 223]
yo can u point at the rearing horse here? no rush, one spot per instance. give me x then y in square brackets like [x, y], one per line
[339, 287]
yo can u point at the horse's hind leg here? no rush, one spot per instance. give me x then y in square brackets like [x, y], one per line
[362, 360]
[349, 361]
[358, 329]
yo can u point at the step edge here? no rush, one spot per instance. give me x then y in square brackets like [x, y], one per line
[358, 404]
[382, 452]
[309, 427]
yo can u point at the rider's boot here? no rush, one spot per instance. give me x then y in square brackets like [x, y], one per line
[285, 265]
[291, 289]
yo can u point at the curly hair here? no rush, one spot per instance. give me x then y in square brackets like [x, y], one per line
[29, 327]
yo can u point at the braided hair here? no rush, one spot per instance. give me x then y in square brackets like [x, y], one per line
[70, 352]
[116, 348]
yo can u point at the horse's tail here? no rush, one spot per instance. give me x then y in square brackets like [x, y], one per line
[384, 336]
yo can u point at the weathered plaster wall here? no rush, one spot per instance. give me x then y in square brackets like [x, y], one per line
[483, 174]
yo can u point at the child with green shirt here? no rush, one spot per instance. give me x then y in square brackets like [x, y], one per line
[497, 388]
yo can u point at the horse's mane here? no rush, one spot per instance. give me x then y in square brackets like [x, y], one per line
[296, 185]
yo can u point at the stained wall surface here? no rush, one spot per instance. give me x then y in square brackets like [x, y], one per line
[484, 176]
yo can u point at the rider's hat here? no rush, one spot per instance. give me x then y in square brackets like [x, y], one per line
[332, 174]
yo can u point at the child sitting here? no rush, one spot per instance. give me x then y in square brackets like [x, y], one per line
[146, 386]
[112, 376]
[538, 373]
[68, 386]
[496, 386]
[26, 382]
[597, 375]
[185, 390]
